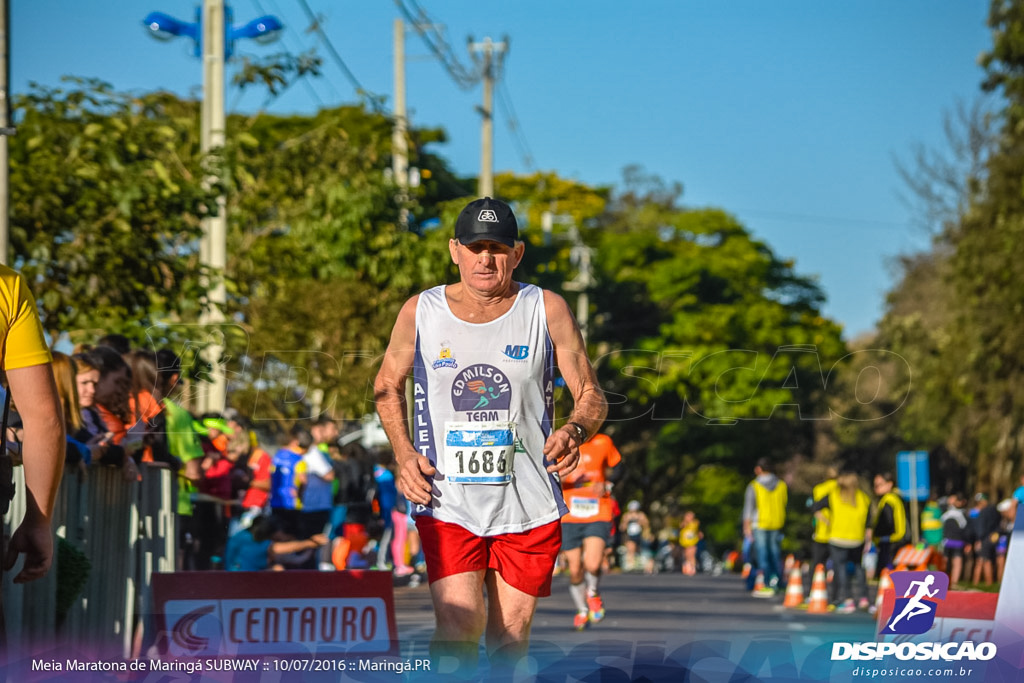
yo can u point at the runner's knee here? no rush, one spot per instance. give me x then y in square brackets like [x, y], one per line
[459, 622]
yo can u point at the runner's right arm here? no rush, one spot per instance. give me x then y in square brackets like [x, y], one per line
[414, 469]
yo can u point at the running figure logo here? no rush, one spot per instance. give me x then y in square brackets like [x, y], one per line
[486, 393]
[915, 611]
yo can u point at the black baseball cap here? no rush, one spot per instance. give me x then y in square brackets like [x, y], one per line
[487, 219]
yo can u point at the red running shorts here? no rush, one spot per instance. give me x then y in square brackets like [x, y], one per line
[525, 560]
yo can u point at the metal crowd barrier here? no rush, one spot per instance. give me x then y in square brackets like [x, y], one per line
[127, 530]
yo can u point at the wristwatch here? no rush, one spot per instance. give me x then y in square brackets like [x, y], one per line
[579, 430]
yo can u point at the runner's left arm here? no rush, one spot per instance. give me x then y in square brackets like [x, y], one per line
[589, 405]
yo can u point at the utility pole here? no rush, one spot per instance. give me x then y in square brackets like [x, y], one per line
[490, 68]
[400, 164]
[399, 142]
[213, 248]
[214, 37]
[5, 130]
[581, 256]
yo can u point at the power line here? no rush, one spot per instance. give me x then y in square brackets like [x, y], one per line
[518, 137]
[289, 29]
[374, 100]
[438, 45]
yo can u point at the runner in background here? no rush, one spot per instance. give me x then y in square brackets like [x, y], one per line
[637, 529]
[689, 536]
[587, 527]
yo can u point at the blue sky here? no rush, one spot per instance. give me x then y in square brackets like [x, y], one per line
[789, 115]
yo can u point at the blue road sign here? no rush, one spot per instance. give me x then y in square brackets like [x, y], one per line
[912, 474]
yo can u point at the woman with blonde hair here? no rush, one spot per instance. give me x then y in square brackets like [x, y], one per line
[848, 509]
[64, 373]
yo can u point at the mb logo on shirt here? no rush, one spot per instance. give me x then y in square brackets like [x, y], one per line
[914, 612]
[516, 352]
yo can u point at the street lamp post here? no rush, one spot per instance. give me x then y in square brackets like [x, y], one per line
[214, 38]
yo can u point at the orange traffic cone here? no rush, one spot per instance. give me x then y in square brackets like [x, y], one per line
[759, 582]
[339, 555]
[795, 589]
[884, 584]
[818, 602]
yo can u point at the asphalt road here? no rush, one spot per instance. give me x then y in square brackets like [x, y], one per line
[657, 624]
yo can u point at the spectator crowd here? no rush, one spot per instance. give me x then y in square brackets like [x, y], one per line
[310, 503]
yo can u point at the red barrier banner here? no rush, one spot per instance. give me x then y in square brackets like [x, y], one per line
[221, 614]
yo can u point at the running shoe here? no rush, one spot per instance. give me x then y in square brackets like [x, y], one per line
[863, 605]
[847, 607]
[579, 622]
[764, 592]
[596, 607]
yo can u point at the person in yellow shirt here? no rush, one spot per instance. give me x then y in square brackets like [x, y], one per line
[764, 515]
[890, 525]
[26, 362]
[849, 537]
[822, 525]
[689, 536]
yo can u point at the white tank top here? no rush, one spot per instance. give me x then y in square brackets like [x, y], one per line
[483, 399]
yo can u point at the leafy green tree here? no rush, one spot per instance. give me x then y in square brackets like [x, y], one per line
[106, 203]
[319, 264]
[955, 314]
[712, 349]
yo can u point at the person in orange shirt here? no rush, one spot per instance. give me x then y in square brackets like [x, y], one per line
[588, 526]
[111, 402]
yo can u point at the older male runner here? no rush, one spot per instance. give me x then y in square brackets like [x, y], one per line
[483, 465]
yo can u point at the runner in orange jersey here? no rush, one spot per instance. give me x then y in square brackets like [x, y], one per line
[587, 527]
